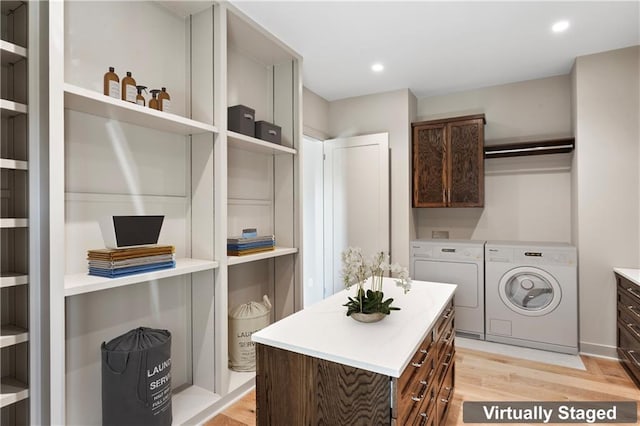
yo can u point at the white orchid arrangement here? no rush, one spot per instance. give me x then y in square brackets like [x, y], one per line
[357, 270]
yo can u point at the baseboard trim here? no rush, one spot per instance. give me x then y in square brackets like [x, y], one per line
[598, 350]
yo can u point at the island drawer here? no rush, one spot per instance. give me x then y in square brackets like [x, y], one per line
[444, 322]
[420, 366]
[446, 342]
[443, 400]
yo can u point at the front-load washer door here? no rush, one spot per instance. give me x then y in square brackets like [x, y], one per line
[529, 291]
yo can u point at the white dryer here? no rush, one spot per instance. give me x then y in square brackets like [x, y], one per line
[532, 295]
[458, 262]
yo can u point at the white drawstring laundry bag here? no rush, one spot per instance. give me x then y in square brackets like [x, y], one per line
[244, 320]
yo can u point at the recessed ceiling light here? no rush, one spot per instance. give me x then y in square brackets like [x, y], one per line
[560, 26]
[377, 67]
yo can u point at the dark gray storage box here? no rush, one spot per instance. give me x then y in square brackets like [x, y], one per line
[241, 119]
[268, 132]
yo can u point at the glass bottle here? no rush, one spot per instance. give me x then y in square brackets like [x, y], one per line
[139, 98]
[165, 100]
[112, 84]
[129, 90]
[154, 103]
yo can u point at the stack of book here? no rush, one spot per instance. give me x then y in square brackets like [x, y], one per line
[113, 263]
[240, 246]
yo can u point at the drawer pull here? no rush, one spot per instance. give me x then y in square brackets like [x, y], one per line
[631, 327]
[448, 338]
[632, 291]
[448, 359]
[632, 355]
[448, 313]
[424, 415]
[633, 309]
[445, 401]
[422, 391]
[425, 355]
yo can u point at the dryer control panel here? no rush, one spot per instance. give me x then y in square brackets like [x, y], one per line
[444, 250]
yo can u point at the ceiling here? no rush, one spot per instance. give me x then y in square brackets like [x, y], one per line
[439, 47]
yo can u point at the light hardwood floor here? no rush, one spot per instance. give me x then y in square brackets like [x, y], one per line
[482, 376]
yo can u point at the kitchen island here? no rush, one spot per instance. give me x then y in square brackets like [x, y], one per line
[628, 320]
[319, 366]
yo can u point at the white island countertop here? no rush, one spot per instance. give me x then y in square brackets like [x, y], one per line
[324, 331]
[632, 275]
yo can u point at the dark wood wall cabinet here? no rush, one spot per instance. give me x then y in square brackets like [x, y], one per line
[297, 389]
[628, 326]
[448, 162]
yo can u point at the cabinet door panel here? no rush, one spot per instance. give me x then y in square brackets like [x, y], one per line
[466, 164]
[429, 166]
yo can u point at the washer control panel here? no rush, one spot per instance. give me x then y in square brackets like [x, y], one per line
[531, 256]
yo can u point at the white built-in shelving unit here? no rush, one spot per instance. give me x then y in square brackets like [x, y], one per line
[14, 214]
[114, 157]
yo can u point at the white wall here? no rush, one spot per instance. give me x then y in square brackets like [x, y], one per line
[384, 112]
[526, 198]
[607, 189]
[534, 109]
[316, 115]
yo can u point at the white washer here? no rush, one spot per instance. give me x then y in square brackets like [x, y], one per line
[532, 295]
[458, 262]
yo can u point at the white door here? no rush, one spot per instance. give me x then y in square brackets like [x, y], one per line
[356, 200]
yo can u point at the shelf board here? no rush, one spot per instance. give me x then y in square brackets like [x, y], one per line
[94, 103]
[189, 402]
[278, 251]
[11, 109]
[238, 379]
[12, 391]
[75, 284]
[10, 222]
[12, 335]
[7, 163]
[11, 53]
[12, 279]
[247, 143]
